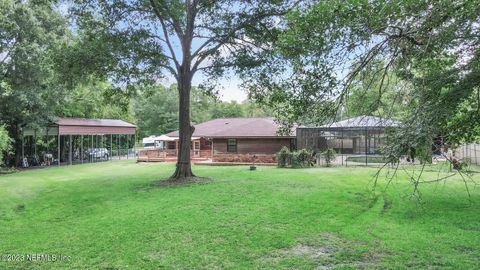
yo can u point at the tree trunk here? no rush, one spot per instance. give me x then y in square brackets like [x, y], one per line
[184, 168]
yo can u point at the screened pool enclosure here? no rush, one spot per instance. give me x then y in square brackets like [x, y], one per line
[357, 140]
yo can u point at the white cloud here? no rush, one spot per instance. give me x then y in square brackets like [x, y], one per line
[231, 90]
[229, 86]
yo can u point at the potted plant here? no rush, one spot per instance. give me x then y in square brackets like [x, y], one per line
[253, 167]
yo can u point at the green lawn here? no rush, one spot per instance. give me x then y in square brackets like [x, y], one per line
[109, 216]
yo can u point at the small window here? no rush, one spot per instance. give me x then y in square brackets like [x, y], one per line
[171, 145]
[208, 143]
[232, 145]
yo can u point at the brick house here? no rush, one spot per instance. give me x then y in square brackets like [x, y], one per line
[233, 140]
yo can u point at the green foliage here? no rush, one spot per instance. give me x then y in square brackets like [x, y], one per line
[295, 159]
[329, 156]
[302, 158]
[31, 33]
[396, 59]
[156, 113]
[5, 144]
[283, 157]
[94, 98]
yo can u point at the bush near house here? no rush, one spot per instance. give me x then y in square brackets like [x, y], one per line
[329, 155]
[295, 159]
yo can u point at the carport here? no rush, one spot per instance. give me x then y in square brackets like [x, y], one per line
[75, 140]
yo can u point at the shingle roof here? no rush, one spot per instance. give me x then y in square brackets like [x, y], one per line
[365, 121]
[236, 127]
[92, 122]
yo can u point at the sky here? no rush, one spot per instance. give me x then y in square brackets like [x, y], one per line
[229, 89]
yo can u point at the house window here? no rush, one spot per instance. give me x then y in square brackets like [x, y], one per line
[232, 145]
[171, 145]
[208, 143]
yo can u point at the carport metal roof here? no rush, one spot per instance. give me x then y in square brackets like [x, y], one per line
[80, 126]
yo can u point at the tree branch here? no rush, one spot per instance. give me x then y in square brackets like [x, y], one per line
[165, 33]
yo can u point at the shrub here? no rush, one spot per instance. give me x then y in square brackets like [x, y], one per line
[5, 143]
[304, 158]
[295, 159]
[329, 156]
[283, 157]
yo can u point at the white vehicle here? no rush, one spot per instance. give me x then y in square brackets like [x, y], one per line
[96, 153]
[149, 142]
[156, 142]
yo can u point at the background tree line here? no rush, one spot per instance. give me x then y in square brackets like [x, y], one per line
[47, 72]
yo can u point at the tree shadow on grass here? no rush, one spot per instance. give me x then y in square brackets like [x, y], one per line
[172, 183]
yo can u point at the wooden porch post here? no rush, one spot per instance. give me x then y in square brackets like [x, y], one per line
[135, 145]
[176, 148]
[212, 149]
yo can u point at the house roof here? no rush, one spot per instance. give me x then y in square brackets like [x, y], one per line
[92, 122]
[364, 121]
[236, 127]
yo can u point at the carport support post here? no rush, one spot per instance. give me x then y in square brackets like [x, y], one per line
[111, 145]
[48, 145]
[70, 149]
[58, 148]
[81, 148]
[90, 155]
[35, 142]
[128, 144]
[23, 148]
[118, 146]
[96, 144]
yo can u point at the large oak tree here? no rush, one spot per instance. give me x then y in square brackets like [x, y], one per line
[137, 39]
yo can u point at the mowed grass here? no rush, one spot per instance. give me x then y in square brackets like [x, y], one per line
[109, 216]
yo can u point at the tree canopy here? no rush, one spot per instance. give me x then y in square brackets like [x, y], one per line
[334, 52]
